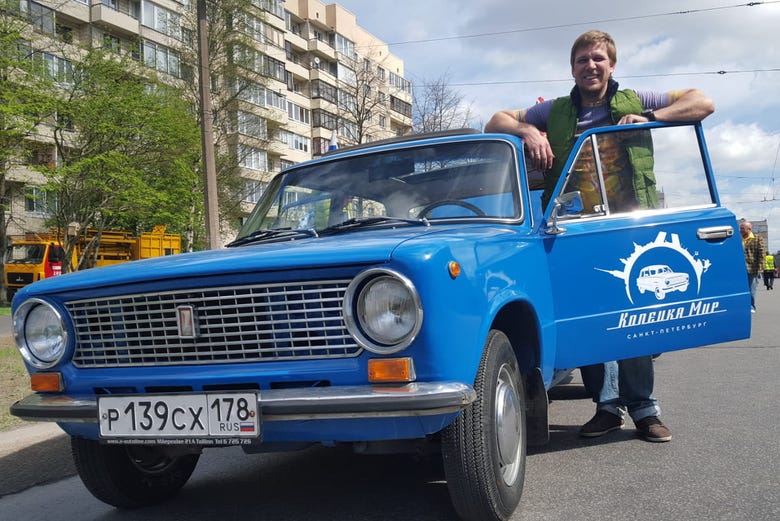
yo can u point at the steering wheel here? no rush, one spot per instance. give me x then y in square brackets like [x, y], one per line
[450, 202]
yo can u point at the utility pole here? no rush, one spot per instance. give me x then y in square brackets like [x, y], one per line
[207, 134]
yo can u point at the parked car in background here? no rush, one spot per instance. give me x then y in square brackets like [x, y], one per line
[397, 296]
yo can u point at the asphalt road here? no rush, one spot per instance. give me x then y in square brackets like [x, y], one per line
[723, 463]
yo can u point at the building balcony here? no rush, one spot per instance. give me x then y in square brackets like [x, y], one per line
[75, 11]
[322, 48]
[297, 69]
[124, 21]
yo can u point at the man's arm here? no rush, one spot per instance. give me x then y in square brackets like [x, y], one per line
[686, 105]
[536, 144]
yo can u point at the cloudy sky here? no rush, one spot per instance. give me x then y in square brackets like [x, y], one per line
[501, 54]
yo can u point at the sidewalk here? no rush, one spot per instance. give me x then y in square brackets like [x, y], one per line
[33, 454]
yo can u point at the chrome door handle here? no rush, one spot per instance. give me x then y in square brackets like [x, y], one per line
[715, 232]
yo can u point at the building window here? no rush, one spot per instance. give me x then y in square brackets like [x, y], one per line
[347, 101]
[344, 46]
[400, 83]
[275, 7]
[41, 18]
[112, 43]
[297, 113]
[324, 119]
[252, 125]
[254, 190]
[258, 62]
[346, 75]
[382, 121]
[320, 89]
[400, 106]
[37, 201]
[252, 158]
[58, 68]
[162, 20]
[257, 30]
[259, 95]
[161, 58]
[348, 129]
[295, 141]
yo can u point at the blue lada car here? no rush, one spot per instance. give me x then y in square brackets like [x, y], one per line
[406, 293]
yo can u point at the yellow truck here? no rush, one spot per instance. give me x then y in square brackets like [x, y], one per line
[35, 256]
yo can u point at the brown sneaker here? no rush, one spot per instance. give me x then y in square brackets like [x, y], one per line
[652, 429]
[601, 423]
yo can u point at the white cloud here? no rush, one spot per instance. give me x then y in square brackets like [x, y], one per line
[742, 147]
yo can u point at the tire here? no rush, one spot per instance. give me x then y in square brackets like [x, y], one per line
[131, 476]
[484, 448]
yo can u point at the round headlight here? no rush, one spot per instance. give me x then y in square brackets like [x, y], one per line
[383, 311]
[40, 333]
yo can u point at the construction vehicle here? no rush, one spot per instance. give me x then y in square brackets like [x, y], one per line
[35, 256]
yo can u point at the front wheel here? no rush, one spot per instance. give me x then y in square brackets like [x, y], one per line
[484, 448]
[131, 476]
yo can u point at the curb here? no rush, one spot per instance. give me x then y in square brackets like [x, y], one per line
[32, 455]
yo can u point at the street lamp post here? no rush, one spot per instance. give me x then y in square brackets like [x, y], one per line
[207, 134]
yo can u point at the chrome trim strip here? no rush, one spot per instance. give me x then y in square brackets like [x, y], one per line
[309, 403]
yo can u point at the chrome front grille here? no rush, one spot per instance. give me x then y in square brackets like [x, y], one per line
[259, 323]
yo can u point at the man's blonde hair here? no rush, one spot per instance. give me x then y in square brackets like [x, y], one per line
[585, 40]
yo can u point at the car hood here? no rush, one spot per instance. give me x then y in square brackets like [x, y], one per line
[357, 248]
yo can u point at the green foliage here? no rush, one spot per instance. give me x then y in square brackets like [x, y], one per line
[133, 162]
[25, 93]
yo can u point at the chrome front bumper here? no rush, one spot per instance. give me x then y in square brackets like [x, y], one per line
[311, 403]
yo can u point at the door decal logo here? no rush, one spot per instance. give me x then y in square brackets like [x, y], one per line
[660, 267]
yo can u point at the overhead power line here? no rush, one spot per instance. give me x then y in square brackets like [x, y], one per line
[657, 75]
[575, 24]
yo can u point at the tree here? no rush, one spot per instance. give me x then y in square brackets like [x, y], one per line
[438, 107]
[361, 99]
[238, 72]
[128, 147]
[25, 102]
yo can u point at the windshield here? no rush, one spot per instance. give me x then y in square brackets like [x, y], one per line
[449, 181]
[25, 254]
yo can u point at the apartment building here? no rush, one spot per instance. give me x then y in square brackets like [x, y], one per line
[320, 74]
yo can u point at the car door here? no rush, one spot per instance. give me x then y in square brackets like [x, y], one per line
[634, 278]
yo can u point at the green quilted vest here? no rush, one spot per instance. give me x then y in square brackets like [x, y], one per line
[562, 126]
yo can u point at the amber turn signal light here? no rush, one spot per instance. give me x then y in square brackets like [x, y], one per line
[46, 382]
[391, 370]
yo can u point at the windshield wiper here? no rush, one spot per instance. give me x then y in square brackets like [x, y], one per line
[278, 234]
[360, 222]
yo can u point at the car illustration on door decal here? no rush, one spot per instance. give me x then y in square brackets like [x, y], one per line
[660, 279]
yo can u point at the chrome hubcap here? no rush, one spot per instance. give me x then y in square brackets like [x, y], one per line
[508, 426]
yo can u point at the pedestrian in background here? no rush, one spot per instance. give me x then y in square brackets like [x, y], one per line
[754, 258]
[769, 271]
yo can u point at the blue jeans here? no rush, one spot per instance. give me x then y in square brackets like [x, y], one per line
[623, 386]
[753, 283]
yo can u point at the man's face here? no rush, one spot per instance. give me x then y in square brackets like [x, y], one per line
[592, 70]
[744, 229]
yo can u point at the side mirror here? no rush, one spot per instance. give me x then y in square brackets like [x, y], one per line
[564, 205]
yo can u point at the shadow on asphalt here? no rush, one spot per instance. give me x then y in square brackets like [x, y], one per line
[43, 462]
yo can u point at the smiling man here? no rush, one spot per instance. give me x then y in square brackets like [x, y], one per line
[549, 130]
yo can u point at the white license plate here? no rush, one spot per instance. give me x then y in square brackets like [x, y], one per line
[179, 416]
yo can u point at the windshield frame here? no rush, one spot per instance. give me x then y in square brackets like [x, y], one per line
[504, 185]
